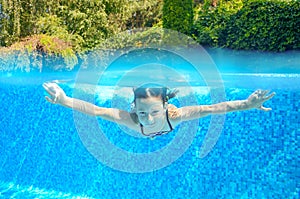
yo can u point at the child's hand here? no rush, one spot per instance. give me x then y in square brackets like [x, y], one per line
[57, 95]
[256, 99]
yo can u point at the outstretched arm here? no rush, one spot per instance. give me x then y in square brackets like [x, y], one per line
[255, 100]
[58, 96]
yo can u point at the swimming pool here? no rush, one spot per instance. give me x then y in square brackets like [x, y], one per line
[256, 156]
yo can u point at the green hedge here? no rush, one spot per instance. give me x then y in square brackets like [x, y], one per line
[270, 25]
[178, 15]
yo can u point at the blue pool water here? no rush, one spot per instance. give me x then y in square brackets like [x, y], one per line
[256, 156]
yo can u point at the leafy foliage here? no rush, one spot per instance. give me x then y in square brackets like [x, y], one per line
[37, 53]
[54, 26]
[85, 22]
[81, 24]
[265, 25]
[139, 40]
[178, 15]
[212, 21]
[271, 25]
[36, 31]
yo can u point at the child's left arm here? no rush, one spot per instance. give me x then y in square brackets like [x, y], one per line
[255, 100]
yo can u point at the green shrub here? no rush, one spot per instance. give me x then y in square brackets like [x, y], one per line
[178, 15]
[265, 25]
[211, 21]
[37, 53]
[268, 25]
[54, 26]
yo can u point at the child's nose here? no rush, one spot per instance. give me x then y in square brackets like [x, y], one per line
[150, 118]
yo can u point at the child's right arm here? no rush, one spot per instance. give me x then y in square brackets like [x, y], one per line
[58, 96]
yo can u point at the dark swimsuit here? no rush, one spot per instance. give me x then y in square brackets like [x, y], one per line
[161, 132]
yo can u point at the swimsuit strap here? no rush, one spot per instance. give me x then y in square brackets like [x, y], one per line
[158, 133]
[142, 129]
[170, 126]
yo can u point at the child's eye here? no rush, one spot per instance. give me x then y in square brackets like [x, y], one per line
[142, 114]
[155, 112]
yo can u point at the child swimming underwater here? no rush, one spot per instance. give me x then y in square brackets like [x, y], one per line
[152, 115]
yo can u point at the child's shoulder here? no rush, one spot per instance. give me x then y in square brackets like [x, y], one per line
[173, 111]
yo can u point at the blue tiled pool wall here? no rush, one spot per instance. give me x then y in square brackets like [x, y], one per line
[256, 156]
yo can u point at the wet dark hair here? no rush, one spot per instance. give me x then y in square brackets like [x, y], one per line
[146, 91]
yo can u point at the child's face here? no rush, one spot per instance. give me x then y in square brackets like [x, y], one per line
[151, 112]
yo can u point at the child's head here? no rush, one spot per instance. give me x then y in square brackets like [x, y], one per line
[150, 103]
[154, 91]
